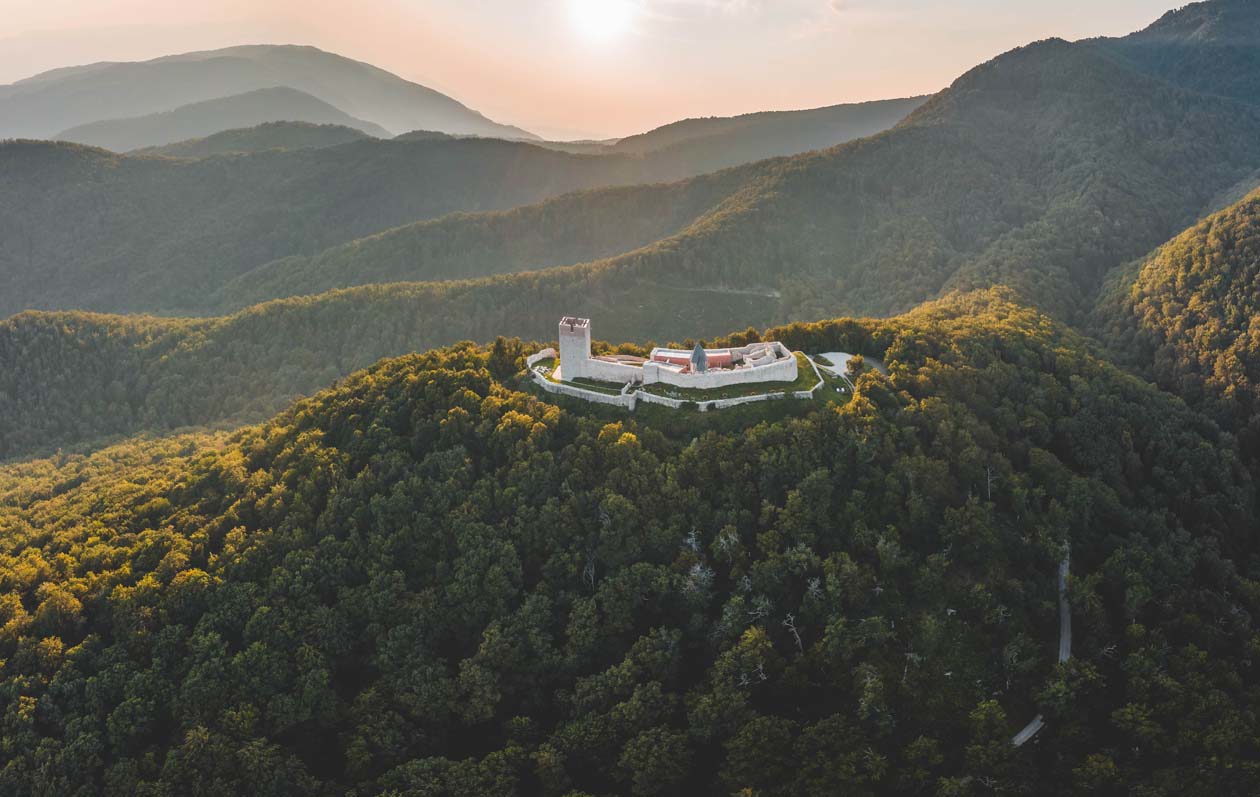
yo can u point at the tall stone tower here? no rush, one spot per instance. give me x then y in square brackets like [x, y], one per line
[575, 346]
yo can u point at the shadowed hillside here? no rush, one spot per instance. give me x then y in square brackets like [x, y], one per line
[212, 116]
[724, 141]
[271, 135]
[574, 228]
[84, 228]
[1040, 170]
[1212, 47]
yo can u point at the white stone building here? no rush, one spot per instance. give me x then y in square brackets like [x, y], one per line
[700, 368]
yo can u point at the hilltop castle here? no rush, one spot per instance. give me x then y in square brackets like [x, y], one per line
[699, 368]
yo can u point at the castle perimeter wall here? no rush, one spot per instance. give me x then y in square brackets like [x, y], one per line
[629, 397]
[782, 371]
[605, 371]
[624, 399]
[535, 359]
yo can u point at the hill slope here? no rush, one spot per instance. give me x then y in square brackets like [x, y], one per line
[270, 135]
[213, 116]
[129, 253]
[40, 106]
[84, 228]
[575, 228]
[425, 581]
[1040, 170]
[1190, 317]
[768, 134]
[1213, 47]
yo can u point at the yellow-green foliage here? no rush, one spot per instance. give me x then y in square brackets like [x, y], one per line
[426, 581]
[1190, 316]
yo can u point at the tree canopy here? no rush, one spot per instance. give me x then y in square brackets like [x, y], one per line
[431, 580]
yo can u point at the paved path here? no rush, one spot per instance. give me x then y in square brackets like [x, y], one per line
[1065, 648]
[840, 362]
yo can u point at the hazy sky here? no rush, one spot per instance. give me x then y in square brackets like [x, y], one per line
[578, 68]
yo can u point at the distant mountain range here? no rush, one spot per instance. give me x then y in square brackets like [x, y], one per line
[64, 99]
[129, 234]
[213, 116]
[794, 131]
[1038, 170]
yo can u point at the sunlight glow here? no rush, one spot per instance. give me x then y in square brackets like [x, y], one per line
[601, 20]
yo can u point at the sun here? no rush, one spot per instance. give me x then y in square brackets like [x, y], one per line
[601, 20]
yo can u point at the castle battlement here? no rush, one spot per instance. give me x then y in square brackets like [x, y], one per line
[700, 368]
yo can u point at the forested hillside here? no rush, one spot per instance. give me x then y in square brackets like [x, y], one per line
[1040, 170]
[73, 377]
[213, 116]
[575, 228]
[1189, 317]
[122, 236]
[426, 581]
[271, 135]
[86, 229]
[1212, 47]
[757, 136]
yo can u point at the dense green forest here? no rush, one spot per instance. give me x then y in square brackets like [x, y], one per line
[86, 229]
[72, 377]
[1205, 46]
[1040, 170]
[1189, 317]
[428, 580]
[146, 234]
[575, 228]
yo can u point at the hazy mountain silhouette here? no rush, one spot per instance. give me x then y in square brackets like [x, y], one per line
[48, 103]
[270, 135]
[213, 116]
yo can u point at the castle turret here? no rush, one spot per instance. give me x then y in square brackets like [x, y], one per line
[699, 359]
[575, 347]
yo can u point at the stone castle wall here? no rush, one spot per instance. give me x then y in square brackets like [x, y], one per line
[782, 371]
[609, 372]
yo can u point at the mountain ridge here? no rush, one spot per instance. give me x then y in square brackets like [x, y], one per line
[206, 118]
[269, 135]
[50, 102]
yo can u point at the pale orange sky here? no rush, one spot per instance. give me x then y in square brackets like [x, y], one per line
[535, 64]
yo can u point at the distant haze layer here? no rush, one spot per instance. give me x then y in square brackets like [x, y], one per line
[589, 68]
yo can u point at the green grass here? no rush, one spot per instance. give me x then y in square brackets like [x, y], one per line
[827, 393]
[610, 388]
[548, 367]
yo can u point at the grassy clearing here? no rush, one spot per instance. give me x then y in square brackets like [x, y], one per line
[610, 388]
